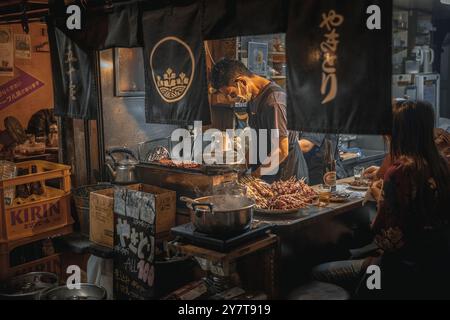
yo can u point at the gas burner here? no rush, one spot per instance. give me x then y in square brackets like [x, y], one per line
[188, 234]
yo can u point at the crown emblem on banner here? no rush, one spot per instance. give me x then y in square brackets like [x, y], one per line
[172, 86]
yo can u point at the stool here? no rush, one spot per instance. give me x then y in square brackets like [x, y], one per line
[316, 290]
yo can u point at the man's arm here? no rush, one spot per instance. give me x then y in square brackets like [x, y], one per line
[306, 145]
[276, 157]
[309, 140]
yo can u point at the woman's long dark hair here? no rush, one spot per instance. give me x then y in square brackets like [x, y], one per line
[413, 137]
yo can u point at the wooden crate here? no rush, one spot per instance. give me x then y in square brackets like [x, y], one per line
[46, 264]
[38, 213]
[51, 264]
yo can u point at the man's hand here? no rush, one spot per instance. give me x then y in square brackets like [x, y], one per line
[256, 173]
[371, 172]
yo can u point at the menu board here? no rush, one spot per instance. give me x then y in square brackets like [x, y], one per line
[134, 243]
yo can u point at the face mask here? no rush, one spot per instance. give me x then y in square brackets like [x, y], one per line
[243, 95]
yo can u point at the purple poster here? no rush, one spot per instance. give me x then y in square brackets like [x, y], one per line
[19, 87]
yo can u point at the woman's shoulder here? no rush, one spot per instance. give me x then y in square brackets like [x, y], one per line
[404, 165]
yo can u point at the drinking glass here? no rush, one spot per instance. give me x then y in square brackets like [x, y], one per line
[324, 195]
[358, 172]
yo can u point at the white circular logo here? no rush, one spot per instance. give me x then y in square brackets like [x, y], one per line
[173, 82]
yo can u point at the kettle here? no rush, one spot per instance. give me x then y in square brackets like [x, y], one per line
[427, 59]
[122, 171]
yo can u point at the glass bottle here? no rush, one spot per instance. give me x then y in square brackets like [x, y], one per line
[36, 187]
[22, 191]
[329, 178]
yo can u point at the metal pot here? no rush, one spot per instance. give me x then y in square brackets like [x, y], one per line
[86, 292]
[221, 215]
[28, 286]
[123, 171]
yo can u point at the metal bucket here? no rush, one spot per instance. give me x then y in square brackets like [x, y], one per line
[28, 286]
[81, 198]
[87, 291]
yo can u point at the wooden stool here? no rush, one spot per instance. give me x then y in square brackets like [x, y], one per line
[316, 290]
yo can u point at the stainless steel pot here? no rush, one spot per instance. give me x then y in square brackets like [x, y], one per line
[86, 292]
[28, 286]
[123, 171]
[221, 215]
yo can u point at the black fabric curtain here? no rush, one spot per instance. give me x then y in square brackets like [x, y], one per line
[73, 56]
[232, 18]
[175, 70]
[74, 80]
[339, 74]
[103, 30]
[339, 70]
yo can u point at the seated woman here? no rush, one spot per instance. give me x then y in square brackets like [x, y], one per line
[412, 223]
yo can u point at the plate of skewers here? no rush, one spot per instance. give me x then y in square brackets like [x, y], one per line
[280, 197]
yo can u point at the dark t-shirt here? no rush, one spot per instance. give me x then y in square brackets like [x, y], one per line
[268, 111]
[315, 158]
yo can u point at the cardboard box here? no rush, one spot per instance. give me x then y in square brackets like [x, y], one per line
[101, 207]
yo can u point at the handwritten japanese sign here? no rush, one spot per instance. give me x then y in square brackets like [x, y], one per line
[339, 66]
[17, 88]
[134, 243]
[329, 47]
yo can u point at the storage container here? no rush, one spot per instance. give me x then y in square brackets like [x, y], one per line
[39, 212]
[102, 206]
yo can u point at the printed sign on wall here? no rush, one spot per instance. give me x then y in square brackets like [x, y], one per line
[19, 87]
[6, 52]
[134, 243]
[22, 43]
[339, 66]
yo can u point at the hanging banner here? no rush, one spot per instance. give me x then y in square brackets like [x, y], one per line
[22, 43]
[74, 81]
[101, 30]
[134, 240]
[232, 18]
[339, 66]
[175, 70]
[17, 88]
[6, 53]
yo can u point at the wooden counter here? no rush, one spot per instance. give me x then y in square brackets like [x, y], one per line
[314, 213]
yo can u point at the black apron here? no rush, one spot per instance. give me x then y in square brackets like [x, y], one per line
[294, 165]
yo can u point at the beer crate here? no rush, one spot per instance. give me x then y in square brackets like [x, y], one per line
[36, 214]
[51, 263]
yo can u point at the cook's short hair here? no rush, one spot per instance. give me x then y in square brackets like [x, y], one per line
[226, 71]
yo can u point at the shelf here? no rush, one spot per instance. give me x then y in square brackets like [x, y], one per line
[277, 77]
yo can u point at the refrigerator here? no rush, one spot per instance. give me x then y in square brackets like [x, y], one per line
[419, 86]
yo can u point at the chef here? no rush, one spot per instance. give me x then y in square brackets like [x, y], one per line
[314, 148]
[266, 107]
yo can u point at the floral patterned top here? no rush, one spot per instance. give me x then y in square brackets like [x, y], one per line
[410, 219]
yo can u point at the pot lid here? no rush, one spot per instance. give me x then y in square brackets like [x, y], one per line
[28, 284]
[128, 161]
[85, 292]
